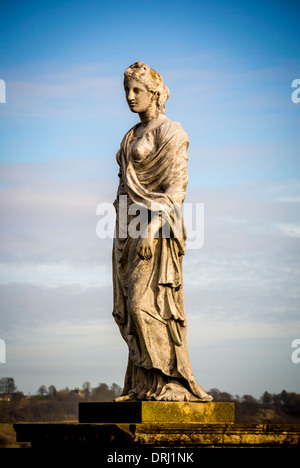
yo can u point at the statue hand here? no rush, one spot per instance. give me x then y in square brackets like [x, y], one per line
[145, 248]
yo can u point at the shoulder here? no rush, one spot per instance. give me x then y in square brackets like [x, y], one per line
[170, 129]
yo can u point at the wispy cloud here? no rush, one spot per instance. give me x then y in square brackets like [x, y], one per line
[247, 268]
[290, 230]
[79, 93]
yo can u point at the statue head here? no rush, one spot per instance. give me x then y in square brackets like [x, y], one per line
[152, 81]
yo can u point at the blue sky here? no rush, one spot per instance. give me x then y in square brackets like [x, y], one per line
[229, 67]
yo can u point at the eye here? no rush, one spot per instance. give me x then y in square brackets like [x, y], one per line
[136, 90]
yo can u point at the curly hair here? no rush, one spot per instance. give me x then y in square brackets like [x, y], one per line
[152, 80]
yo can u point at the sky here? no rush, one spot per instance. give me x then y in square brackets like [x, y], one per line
[229, 66]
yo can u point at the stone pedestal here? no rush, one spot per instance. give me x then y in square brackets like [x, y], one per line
[156, 412]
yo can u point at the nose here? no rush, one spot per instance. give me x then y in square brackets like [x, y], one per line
[130, 95]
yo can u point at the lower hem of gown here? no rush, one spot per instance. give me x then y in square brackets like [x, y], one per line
[153, 385]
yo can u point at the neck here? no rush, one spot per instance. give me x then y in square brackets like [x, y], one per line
[150, 114]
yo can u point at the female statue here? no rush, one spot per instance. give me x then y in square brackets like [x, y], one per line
[147, 269]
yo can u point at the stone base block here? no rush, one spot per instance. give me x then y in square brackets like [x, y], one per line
[156, 412]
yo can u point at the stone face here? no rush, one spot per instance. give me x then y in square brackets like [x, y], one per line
[156, 412]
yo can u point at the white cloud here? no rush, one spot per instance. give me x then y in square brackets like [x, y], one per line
[290, 230]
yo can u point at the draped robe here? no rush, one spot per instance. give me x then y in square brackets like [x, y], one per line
[148, 294]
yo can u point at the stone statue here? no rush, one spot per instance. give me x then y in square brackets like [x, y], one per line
[147, 269]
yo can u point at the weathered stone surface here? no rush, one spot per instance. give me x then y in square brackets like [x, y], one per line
[158, 435]
[156, 411]
[217, 435]
[148, 299]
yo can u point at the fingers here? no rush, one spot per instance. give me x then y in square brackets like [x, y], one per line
[144, 252]
[141, 252]
[148, 253]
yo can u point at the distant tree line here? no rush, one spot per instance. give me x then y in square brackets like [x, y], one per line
[283, 407]
[50, 404]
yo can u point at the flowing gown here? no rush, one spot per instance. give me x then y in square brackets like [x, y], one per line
[148, 294]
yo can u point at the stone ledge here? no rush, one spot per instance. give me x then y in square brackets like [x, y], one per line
[156, 411]
[158, 435]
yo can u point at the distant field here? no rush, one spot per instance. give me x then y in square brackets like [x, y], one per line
[8, 437]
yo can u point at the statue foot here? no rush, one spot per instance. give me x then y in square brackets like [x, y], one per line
[207, 398]
[129, 397]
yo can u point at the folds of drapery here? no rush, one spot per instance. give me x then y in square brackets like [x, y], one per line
[158, 183]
